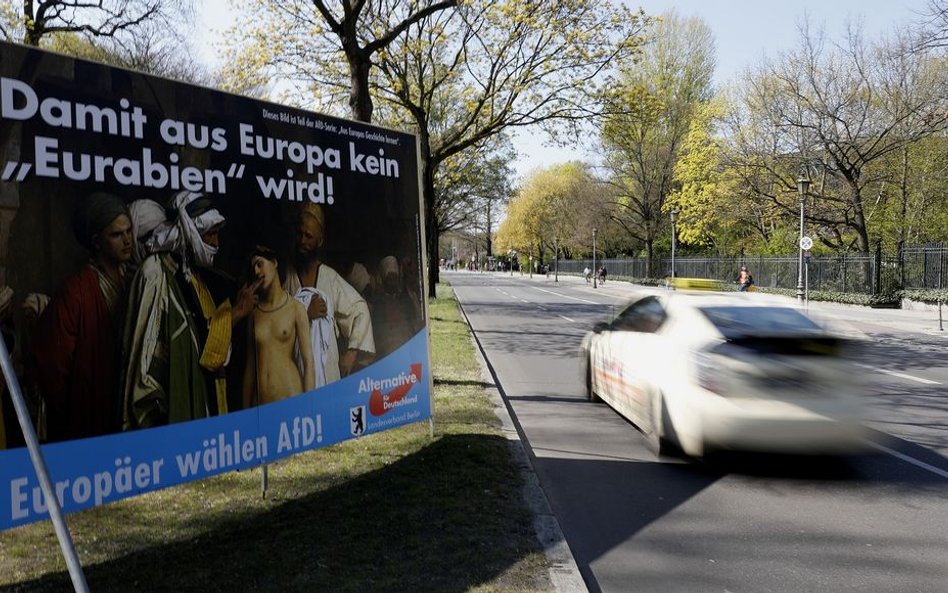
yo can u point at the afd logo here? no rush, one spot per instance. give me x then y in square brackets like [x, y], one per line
[397, 394]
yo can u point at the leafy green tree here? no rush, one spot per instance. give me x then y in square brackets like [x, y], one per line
[839, 112]
[555, 207]
[651, 108]
[913, 196]
[472, 187]
[483, 69]
[328, 46]
[701, 201]
[712, 205]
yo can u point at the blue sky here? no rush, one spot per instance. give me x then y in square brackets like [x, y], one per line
[744, 31]
[747, 29]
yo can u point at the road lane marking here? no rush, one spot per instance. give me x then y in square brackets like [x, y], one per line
[908, 459]
[541, 307]
[900, 375]
[566, 296]
[522, 300]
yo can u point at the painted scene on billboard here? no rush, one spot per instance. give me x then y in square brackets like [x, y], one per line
[193, 282]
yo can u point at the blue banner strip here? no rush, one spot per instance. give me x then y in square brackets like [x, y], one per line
[393, 392]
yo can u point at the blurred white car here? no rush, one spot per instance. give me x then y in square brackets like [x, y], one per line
[716, 371]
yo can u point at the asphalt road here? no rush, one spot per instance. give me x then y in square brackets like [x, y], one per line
[876, 522]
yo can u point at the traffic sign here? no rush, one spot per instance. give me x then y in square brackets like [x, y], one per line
[806, 243]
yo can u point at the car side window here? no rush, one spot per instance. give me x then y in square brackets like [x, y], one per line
[646, 316]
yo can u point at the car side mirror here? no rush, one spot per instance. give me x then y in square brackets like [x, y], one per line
[601, 327]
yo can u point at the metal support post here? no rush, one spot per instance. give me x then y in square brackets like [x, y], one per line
[803, 184]
[556, 268]
[595, 273]
[42, 473]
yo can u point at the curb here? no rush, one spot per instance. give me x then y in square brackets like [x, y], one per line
[564, 572]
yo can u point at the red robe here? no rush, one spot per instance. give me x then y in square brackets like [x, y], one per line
[75, 347]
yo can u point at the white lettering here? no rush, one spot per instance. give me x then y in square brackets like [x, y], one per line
[367, 385]
[283, 441]
[18, 101]
[18, 497]
[10, 90]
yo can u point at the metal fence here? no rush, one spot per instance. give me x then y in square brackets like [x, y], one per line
[924, 266]
[915, 267]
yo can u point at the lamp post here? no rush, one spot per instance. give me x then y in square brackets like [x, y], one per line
[674, 241]
[556, 259]
[595, 274]
[803, 185]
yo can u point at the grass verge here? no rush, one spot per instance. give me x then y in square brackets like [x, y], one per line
[395, 511]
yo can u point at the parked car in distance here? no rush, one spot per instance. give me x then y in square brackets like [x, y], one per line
[710, 371]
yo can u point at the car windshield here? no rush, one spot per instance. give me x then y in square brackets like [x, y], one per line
[736, 322]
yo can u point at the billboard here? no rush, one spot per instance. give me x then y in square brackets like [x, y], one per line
[193, 282]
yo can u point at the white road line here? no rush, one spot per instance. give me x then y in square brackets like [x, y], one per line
[912, 460]
[900, 375]
[566, 296]
[516, 298]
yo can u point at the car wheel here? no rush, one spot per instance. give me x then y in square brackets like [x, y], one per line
[658, 428]
[590, 391]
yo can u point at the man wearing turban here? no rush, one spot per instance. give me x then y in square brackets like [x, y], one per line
[75, 343]
[394, 307]
[177, 336]
[327, 296]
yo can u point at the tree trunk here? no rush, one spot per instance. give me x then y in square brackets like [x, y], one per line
[360, 100]
[431, 220]
[34, 29]
[488, 224]
[859, 219]
[650, 254]
[903, 198]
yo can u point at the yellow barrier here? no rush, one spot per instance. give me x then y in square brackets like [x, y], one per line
[697, 284]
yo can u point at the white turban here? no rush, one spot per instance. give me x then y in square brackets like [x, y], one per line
[184, 234]
[390, 277]
[388, 265]
[146, 215]
[359, 277]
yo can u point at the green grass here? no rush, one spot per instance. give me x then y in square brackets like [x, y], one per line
[395, 511]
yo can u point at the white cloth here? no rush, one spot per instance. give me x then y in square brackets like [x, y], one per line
[147, 215]
[350, 312]
[184, 234]
[35, 303]
[359, 277]
[322, 335]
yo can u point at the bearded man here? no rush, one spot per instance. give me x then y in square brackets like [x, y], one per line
[177, 333]
[327, 296]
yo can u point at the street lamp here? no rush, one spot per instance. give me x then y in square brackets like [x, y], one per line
[674, 241]
[594, 273]
[556, 268]
[803, 185]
